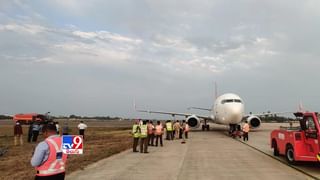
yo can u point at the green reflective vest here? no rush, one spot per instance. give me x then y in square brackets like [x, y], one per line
[135, 131]
[169, 126]
[144, 131]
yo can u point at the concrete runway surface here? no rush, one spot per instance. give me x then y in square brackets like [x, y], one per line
[206, 155]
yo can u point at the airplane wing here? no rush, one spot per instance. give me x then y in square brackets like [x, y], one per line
[174, 114]
[266, 114]
[205, 109]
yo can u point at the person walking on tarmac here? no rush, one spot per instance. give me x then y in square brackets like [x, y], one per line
[176, 128]
[246, 129]
[183, 126]
[135, 134]
[144, 137]
[150, 133]
[186, 129]
[48, 158]
[158, 133]
[169, 129]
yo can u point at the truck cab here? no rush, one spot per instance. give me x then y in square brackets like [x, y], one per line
[298, 143]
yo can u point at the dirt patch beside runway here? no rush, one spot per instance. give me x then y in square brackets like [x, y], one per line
[103, 139]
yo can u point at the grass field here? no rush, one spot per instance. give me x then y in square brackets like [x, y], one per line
[103, 139]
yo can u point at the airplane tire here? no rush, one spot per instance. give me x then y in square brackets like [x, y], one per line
[290, 155]
[203, 128]
[208, 127]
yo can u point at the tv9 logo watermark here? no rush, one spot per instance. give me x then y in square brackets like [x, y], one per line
[72, 144]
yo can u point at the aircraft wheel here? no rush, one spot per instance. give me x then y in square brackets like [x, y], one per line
[208, 127]
[203, 127]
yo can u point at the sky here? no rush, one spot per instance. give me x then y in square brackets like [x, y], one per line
[93, 58]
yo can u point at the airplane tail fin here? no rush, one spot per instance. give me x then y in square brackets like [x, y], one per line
[300, 107]
[134, 104]
[215, 90]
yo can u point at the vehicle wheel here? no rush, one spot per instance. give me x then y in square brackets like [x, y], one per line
[290, 155]
[203, 128]
[275, 148]
[208, 127]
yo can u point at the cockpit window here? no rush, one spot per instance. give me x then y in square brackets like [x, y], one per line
[230, 101]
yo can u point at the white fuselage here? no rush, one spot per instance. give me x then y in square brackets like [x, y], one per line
[228, 109]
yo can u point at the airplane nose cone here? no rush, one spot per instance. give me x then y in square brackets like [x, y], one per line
[236, 114]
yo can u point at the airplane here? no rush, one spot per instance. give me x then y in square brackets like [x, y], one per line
[228, 109]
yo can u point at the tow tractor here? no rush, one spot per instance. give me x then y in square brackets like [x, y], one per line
[298, 143]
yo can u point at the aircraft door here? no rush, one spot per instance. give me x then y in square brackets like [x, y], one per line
[311, 133]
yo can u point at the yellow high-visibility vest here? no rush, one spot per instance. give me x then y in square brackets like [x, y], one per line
[135, 131]
[169, 126]
[144, 131]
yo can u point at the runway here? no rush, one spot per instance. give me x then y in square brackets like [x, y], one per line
[206, 155]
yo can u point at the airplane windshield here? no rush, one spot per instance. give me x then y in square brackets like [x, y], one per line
[230, 101]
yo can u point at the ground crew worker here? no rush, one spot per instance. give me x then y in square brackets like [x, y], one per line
[144, 138]
[58, 127]
[169, 129]
[18, 134]
[135, 135]
[158, 133]
[82, 126]
[30, 132]
[183, 126]
[35, 131]
[65, 129]
[176, 128]
[246, 129]
[150, 133]
[186, 129]
[48, 158]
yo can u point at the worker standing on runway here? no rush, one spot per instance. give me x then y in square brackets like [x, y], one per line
[150, 133]
[183, 127]
[48, 158]
[135, 135]
[17, 131]
[169, 129]
[158, 133]
[186, 129]
[144, 137]
[176, 128]
[246, 129]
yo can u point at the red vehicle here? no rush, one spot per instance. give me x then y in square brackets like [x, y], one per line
[28, 118]
[298, 143]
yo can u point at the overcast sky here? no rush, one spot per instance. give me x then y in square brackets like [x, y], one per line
[94, 57]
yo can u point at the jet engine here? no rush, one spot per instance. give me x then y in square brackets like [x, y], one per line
[193, 121]
[254, 121]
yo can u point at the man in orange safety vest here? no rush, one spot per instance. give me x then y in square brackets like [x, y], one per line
[48, 158]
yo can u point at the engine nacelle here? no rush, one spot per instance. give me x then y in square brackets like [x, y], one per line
[254, 121]
[193, 121]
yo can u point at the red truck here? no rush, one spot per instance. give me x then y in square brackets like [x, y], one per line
[31, 117]
[298, 143]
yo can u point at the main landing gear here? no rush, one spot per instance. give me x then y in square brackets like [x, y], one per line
[235, 130]
[234, 127]
[205, 126]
